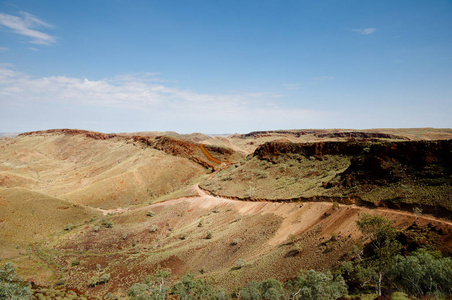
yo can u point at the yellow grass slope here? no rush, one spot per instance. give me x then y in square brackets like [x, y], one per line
[27, 217]
[104, 173]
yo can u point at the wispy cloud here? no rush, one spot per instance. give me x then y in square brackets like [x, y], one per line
[3, 49]
[26, 24]
[365, 31]
[165, 103]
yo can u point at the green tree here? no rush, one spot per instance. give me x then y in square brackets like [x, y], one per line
[250, 292]
[271, 289]
[316, 285]
[12, 286]
[191, 288]
[154, 288]
[423, 273]
[382, 235]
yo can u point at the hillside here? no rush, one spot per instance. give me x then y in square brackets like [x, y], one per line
[79, 204]
[273, 239]
[103, 170]
[382, 173]
[27, 217]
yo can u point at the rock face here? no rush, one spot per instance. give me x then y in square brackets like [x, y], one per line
[401, 174]
[206, 155]
[380, 164]
[351, 135]
[375, 163]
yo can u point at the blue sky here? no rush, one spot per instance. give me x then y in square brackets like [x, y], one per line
[224, 66]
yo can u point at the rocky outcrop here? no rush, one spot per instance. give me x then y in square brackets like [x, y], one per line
[374, 163]
[89, 134]
[323, 134]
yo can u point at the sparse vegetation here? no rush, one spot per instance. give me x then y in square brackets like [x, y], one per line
[11, 285]
[96, 280]
[69, 227]
[177, 236]
[106, 223]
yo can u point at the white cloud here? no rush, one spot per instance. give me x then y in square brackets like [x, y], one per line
[366, 31]
[26, 24]
[3, 49]
[160, 103]
[33, 49]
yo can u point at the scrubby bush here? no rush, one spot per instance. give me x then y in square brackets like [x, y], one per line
[95, 280]
[150, 213]
[75, 263]
[154, 228]
[107, 223]
[317, 285]
[69, 227]
[192, 288]
[11, 285]
[250, 292]
[240, 263]
[209, 234]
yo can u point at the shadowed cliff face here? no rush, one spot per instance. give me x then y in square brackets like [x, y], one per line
[353, 135]
[396, 174]
[375, 163]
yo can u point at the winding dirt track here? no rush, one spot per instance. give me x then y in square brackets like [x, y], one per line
[206, 196]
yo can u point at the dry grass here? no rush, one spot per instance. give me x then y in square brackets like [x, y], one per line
[27, 217]
[101, 173]
[291, 177]
[273, 240]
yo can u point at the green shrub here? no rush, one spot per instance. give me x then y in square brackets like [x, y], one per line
[150, 213]
[240, 263]
[75, 263]
[106, 223]
[95, 280]
[92, 282]
[11, 285]
[422, 273]
[316, 285]
[209, 234]
[69, 227]
[154, 228]
[399, 296]
[250, 292]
